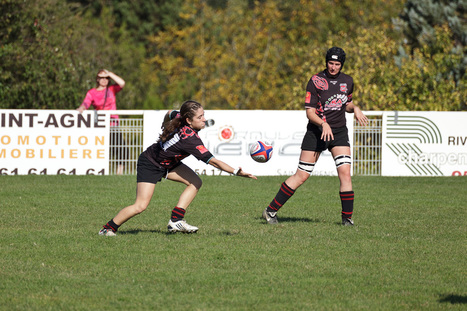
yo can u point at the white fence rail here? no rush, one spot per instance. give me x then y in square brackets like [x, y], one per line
[368, 145]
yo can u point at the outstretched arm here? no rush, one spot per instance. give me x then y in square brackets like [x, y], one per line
[227, 168]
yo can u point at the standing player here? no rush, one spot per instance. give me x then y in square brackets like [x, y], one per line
[178, 140]
[328, 97]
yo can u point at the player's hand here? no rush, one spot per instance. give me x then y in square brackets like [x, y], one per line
[361, 118]
[105, 74]
[326, 134]
[241, 173]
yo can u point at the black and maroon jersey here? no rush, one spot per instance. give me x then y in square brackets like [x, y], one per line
[184, 142]
[329, 95]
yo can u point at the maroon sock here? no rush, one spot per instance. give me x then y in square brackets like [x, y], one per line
[177, 214]
[111, 225]
[347, 198]
[285, 192]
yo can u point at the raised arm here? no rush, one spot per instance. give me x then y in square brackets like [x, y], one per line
[114, 77]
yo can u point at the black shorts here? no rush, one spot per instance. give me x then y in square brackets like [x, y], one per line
[313, 142]
[146, 171]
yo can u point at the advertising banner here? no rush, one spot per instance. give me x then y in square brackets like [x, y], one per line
[424, 144]
[233, 132]
[51, 142]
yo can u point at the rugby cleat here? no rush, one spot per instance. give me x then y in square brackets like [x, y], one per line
[271, 217]
[107, 232]
[347, 222]
[181, 226]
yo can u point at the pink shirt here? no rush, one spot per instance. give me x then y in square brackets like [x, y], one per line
[99, 101]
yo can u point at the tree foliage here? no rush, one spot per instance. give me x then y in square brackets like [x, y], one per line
[50, 56]
[232, 54]
[420, 22]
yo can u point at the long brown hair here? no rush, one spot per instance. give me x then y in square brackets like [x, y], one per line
[187, 111]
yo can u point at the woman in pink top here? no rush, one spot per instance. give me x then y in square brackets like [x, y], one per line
[102, 97]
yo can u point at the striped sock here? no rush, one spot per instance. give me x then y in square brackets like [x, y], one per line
[177, 214]
[347, 198]
[111, 225]
[285, 192]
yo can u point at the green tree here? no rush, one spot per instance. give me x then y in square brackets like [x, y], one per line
[226, 58]
[232, 54]
[141, 18]
[245, 56]
[418, 83]
[50, 55]
[419, 22]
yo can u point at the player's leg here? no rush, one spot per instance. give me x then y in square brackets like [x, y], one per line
[185, 175]
[305, 168]
[343, 160]
[144, 192]
[148, 175]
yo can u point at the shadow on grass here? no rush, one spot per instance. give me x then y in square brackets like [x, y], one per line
[138, 231]
[165, 232]
[295, 219]
[453, 299]
[230, 233]
[159, 231]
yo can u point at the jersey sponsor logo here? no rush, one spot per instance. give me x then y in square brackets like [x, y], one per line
[320, 83]
[308, 98]
[343, 87]
[202, 149]
[335, 102]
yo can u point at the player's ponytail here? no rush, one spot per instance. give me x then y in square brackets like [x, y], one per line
[171, 123]
[168, 129]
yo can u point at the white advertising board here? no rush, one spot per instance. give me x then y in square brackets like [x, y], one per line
[233, 132]
[428, 143]
[51, 142]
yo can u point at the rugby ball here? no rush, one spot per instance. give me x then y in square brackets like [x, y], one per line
[261, 152]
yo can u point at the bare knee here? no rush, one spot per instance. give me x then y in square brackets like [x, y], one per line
[301, 179]
[139, 207]
[297, 179]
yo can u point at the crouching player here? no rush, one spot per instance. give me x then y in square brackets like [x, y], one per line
[178, 140]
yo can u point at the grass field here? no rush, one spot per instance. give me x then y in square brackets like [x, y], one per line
[407, 250]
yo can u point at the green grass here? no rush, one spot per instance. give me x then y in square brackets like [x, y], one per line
[406, 252]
